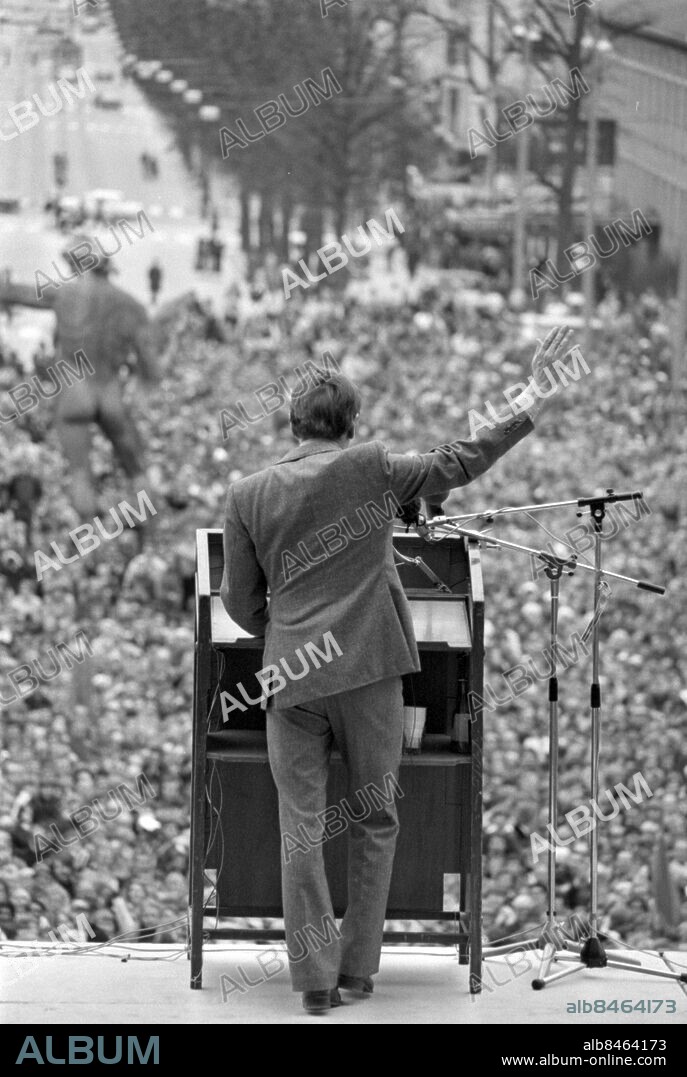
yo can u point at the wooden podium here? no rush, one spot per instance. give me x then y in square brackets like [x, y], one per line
[235, 833]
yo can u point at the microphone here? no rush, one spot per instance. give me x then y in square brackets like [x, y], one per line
[609, 497]
[433, 508]
[411, 516]
[422, 529]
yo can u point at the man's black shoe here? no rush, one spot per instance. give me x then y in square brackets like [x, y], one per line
[362, 986]
[321, 1001]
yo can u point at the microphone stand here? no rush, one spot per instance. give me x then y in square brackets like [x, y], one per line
[555, 946]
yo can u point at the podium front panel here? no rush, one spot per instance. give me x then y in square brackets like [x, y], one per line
[246, 851]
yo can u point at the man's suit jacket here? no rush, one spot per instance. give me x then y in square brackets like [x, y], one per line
[316, 530]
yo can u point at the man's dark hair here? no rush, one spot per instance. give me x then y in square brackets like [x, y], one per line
[325, 410]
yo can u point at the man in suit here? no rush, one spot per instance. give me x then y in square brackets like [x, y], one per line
[315, 531]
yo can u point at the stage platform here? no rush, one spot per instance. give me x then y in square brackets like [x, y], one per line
[416, 985]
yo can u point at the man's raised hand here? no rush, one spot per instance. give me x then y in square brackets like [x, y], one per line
[554, 347]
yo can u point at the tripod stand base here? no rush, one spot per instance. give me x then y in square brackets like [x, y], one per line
[592, 955]
[577, 956]
[552, 932]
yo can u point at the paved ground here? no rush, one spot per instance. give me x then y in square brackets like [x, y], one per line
[415, 986]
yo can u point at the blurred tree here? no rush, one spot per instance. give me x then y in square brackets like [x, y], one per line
[344, 151]
[562, 43]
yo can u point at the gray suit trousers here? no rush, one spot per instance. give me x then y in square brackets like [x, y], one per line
[366, 725]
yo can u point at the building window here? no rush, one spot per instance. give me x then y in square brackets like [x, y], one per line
[606, 142]
[456, 47]
[453, 107]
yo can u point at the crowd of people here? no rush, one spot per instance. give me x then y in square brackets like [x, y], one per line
[423, 357]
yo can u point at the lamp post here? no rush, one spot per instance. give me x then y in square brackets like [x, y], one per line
[598, 50]
[492, 97]
[517, 296]
[677, 366]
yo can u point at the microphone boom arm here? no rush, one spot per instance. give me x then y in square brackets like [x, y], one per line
[543, 555]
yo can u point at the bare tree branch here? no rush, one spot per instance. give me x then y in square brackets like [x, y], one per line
[546, 181]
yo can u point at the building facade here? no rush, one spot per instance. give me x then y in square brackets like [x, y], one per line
[645, 91]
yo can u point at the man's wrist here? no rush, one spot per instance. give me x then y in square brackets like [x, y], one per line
[528, 405]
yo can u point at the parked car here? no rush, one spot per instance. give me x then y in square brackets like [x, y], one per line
[126, 210]
[107, 100]
[97, 202]
[69, 211]
[111, 205]
[10, 203]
